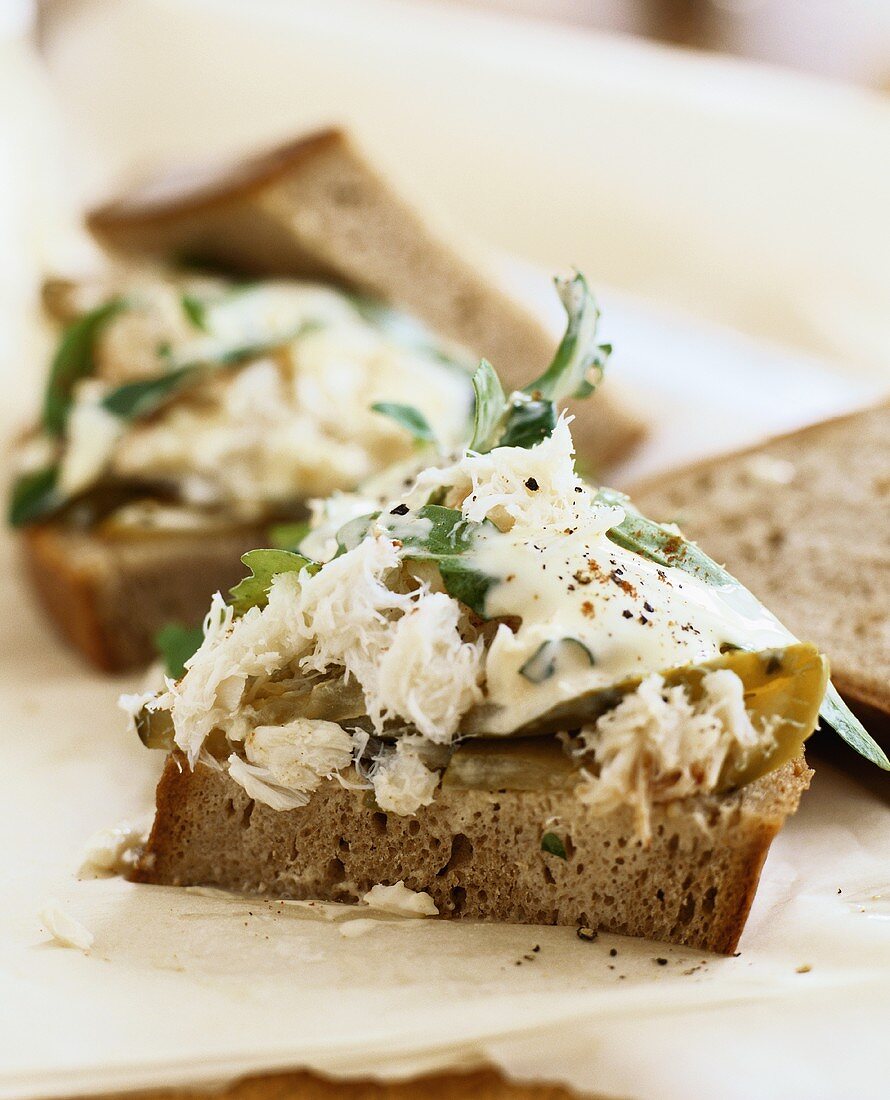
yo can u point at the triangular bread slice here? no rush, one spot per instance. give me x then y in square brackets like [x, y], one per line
[317, 208]
[479, 853]
[804, 522]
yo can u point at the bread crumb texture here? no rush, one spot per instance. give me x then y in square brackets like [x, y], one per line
[477, 854]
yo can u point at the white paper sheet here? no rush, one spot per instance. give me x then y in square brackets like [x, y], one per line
[182, 988]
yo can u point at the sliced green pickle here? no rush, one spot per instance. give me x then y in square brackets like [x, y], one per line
[155, 729]
[513, 764]
[789, 683]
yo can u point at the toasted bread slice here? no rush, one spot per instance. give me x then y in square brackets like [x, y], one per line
[110, 595]
[478, 853]
[804, 522]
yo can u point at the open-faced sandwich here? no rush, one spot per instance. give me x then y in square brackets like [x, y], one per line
[187, 413]
[497, 684]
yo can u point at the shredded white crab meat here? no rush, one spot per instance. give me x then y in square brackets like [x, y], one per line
[298, 754]
[294, 421]
[346, 617]
[399, 899]
[658, 745]
[111, 851]
[66, 930]
[402, 782]
[535, 488]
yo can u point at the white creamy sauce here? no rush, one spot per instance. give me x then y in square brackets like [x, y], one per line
[633, 616]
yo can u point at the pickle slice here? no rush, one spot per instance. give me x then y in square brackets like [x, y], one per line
[155, 729]
[513, 764]
[754, 669]
[789, 683]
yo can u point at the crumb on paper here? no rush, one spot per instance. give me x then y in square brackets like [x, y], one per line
[65, 930]
[805, 969]
[588, 935]
[114, 850]
[399, 899]
[350, 929]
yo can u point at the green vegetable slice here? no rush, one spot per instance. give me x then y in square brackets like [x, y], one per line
[507, 764]
[551, 844]
[253, 591]
[549, 656]
[74, 361]
[175, 644]
[409, 418]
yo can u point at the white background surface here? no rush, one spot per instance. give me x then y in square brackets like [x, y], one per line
[587, 167]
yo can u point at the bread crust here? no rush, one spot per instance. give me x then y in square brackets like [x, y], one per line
[478, 853]
[108, 596]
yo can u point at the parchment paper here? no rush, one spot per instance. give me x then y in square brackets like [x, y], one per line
[181, 988]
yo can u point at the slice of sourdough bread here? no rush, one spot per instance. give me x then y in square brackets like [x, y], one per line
[109, 596]
[478, 853]
[804, 522]
[317, 208]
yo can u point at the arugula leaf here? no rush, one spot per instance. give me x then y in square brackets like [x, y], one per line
[72, 362]
[195, 310]
[847, 726]
[544, 661]
[551, 843]
[408, 417]
[34, 496]
[652, 541]
[133, 400]
[527, 423]
[288, 536]
[253, 591]
[176, 644]
[449, 537]
[491, 404]
[444, 538]
[578, 365]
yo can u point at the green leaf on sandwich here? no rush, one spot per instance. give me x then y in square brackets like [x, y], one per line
[175, 644]
[847, 726]
[409, 418]
[667, 548]
[489, 410]
[578, 365]
[135, 400]
[253, 591]
[431, 533]
[446, 539]
[288, 536]
[195, 310]
[34, 496]
[525, 418]
[74, 361]
[527, 423]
